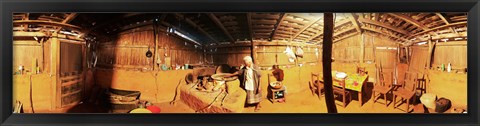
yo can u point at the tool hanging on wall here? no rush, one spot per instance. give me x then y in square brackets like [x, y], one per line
[149, 53]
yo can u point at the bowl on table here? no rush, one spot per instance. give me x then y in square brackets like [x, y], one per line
[341, 75]
[276, 85]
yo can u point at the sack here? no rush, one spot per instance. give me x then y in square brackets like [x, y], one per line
[291, 56]
[442, 105]
[299, 52]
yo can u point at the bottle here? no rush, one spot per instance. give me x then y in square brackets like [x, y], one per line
[449, 67]
[443, 67]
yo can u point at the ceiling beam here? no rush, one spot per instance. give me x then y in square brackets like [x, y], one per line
[250, 31]
[354, 21]
[196, 27]
[282, 17]
[340, 23]
[376, 16]
[220, 25]
[386, 34]
[67, 20]
[447, 20]
[409, 20]
[319, 18]
[384, 25]
[440, 27]
[57, 24]
[99, 25]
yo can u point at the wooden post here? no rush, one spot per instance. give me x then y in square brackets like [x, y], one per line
[254, 53]
[430, 49]
[327, 61]
[55, 68]
[362, 49]
[84, 70]
[155, 52]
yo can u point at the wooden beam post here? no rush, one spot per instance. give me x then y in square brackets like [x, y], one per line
[250, 31]
[155, 38]
[327, 62]
[55, 69]
[254, 53]
[430, 49]
[362, 48]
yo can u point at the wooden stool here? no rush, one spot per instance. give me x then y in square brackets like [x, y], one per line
[277, 94]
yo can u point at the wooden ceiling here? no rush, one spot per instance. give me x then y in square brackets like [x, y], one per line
[214, 28]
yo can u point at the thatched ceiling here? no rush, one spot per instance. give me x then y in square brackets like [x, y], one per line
[208, 28]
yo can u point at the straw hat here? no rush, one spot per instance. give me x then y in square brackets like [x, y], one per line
[429, 100]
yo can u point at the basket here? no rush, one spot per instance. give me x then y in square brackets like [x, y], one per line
[122, 101]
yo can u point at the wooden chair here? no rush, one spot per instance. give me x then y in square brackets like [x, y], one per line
[342, 91]
[421, 82]
[407, 91]
[361, 70]
[316, 85]
[383, 87]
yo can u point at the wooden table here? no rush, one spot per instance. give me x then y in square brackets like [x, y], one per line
[349, 83]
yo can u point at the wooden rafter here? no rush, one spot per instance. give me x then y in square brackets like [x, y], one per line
[86, 31]
[197, 27]
[220, 25]
[445, 19]
[376, 16]
[409, 20]
[282, 17]
[37, 22]
[383, 33]
[337, 25]
[354, 21]
[384, 26]
[249, 20]
[441, 27]
[67, 20]
[307, 26]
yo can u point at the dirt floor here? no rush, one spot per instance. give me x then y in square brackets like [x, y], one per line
[303, 102]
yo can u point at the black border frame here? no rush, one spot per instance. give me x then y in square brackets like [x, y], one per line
[10, 6]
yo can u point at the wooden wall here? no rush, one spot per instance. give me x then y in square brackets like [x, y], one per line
[25, 52]
[270, 53]
[347, 50]
[231, 55]
[128, 50]
[450, 52]
[418, 58]
[70, 58]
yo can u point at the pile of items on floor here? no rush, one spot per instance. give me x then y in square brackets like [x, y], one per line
[124, 101]
[213, 90]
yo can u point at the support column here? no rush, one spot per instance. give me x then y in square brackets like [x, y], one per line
[362, 48]
[430, 49]
[54, 70]
[327, 62]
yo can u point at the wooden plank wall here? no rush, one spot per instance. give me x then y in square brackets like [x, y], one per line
[129, 48]
[385, 50]
[70, 58]
[231, 55]
[25, 52]
[347, 50]
[418, 58]
[268, 55]
[450, 52]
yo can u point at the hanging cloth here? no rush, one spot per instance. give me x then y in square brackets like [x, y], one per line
[290, 54]
[299, 52]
